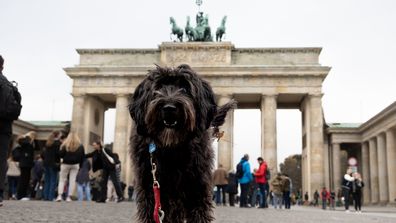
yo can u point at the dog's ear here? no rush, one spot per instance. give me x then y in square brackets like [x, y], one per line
[137, 106]
[221, 113]
[207, 104]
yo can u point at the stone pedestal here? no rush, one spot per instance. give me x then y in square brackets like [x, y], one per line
[225, 145]
[366, 173]
[374, 188]
[268, 132]
[196, 53]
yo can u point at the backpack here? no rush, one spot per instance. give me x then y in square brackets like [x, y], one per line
[10, 101]
[239, 170]
[267, 174]
[324, 194]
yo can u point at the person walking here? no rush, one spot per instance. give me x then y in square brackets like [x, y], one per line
[51, 162]
[306, 198]
[10, 108]
[245, 180]
[332, 200]
[13, 174]
[220, 181]
[103, 158]
[24, 153]
[325, 195]
[261, 180]
[72, 154]
[316, 196]
[37, 178]
[286, 187]
[357, 187]
[346, 187]
[277, 188]
[232, 188]
[83, 182]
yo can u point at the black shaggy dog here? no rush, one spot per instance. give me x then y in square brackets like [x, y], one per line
[176, 111]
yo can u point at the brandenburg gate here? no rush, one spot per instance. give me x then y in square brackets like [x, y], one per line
[264, 78]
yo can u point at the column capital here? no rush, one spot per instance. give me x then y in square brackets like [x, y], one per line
[119, 95]
[225, 95]
[78, 94]
[263, 96]
[315, 95]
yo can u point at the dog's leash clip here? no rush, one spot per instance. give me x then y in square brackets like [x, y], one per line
[159, 214]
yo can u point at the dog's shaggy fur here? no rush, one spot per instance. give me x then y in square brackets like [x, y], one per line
[176, 110]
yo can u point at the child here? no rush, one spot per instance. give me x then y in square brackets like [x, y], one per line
[83, 183]
[332, 200]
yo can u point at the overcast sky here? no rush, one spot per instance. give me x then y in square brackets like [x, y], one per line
[38, 38]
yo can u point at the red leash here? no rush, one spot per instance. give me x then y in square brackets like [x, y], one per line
[158, 213]
[157, 206]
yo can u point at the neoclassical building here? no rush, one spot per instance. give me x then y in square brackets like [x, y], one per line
[263, 78]
[373, 145]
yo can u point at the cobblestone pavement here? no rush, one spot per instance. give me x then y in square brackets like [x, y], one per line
[41, 211]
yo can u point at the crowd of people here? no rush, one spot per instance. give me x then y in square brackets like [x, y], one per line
[258, 189]
[254, 186]
[62, 170]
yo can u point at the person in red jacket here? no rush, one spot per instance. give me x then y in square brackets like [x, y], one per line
[261, 180]
[325, 195]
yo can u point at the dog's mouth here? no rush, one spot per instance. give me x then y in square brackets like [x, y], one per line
[169, 116]
[170, 123]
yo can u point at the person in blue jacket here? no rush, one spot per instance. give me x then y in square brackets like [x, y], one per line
[245, 181]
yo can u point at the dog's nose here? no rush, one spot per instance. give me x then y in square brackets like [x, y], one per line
[169, 108]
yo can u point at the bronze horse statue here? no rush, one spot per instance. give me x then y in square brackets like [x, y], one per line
[221, 30]
[190, 31]
[176, 30]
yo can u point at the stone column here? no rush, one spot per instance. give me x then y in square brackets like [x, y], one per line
[225, 145]
[78, 115]
[373, 171]
[366, 172]
[120, 145]
[316, 142]
[305, 160]
[336, 166]
[391, 161]
[326, 160]
[130, 176]
[268, 132]
[382, 169]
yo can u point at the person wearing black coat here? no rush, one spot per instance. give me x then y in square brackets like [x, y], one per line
[103, 158]
[51, 162]
[357, 186]
[232, 188]
[5, 130]
[347, 187]
[24, 154]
